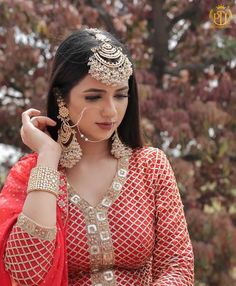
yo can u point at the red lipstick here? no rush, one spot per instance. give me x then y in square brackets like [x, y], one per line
[105, 125]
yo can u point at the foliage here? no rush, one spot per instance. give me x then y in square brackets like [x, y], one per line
[187, 82]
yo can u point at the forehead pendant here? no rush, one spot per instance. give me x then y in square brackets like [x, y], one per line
[108, 64]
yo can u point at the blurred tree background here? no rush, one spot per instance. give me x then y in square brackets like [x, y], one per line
[186, 72]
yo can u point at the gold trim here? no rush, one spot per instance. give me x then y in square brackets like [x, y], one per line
[97, 226]
[36, 230]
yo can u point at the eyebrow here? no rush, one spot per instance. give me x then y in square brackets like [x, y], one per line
[103, 90]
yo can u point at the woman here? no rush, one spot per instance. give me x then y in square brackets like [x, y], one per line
[91, 205]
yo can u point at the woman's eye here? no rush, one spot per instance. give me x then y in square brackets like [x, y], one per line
[96, 97]
[120, 96]
[92, 97]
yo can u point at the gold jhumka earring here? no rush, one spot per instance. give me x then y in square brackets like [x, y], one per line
[71, 150]
[118, 149]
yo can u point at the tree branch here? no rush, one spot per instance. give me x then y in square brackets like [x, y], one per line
[188, 13]
[14, 86]
[191, 67]
[159, 39]
[104, 16]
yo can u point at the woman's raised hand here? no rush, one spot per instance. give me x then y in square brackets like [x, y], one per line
[34, 135]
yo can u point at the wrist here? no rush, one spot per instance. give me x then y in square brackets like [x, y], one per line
[48, 158]
[54, 149]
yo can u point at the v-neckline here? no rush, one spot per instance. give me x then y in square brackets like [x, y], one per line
[112, 192]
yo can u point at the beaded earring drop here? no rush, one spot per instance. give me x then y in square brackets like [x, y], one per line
[71, 150]
[118, 149]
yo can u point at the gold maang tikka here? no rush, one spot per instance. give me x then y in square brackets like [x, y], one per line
[111, 66]
[108, 64]
[71, 150]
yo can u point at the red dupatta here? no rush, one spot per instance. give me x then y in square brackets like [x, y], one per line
[12, 199]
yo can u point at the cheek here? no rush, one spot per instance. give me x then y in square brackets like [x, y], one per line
[87, 115]
[75, 112]
[122, 109]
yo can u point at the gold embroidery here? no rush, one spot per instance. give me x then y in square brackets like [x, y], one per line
[62, 199]
[104, 278]
[28, 258]
[97, 226]
[34, 229]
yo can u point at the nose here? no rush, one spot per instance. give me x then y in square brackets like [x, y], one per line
[109, 108]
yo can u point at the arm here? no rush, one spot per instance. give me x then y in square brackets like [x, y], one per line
[173, 255]
[29, 251]
[30, 246]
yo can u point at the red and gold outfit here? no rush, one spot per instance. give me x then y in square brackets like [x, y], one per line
[136, 235]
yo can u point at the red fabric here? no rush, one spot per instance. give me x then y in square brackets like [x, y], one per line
[147, 224]
[148, 228]
[28, 258]
[11, 202]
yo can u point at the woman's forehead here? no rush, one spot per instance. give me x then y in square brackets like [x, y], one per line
[90, 84]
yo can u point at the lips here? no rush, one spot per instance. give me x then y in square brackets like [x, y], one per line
[105, 125]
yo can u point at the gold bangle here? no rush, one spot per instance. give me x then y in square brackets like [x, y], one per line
[44, 179]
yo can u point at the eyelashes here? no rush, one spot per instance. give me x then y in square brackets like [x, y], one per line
[92, 97]
[96, 97]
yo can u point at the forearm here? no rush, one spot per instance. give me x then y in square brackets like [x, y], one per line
[173, 261]
[173, 253]
[31, 244]
[180, 275]
[29, 251]
[39, 205]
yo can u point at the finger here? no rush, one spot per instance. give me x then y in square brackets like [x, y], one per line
[28, 113]
[42, 121]
[22, 133]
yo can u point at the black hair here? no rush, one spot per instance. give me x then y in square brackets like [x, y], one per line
[70, 67]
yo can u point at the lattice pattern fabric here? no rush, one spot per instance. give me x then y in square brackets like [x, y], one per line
[27, 258]
[141, 217]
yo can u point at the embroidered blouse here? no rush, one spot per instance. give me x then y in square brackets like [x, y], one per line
[136, 235]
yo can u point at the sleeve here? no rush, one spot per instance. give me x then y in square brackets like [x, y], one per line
[13, 193]
[29, 251]
[173, 262]
[24, 245]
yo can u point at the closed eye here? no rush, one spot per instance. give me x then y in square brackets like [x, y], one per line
[92, 97]
[121, 96]
[96, 97]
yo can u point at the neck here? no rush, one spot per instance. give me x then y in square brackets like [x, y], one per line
[94, 150]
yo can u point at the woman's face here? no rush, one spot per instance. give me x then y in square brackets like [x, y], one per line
[104, 107]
